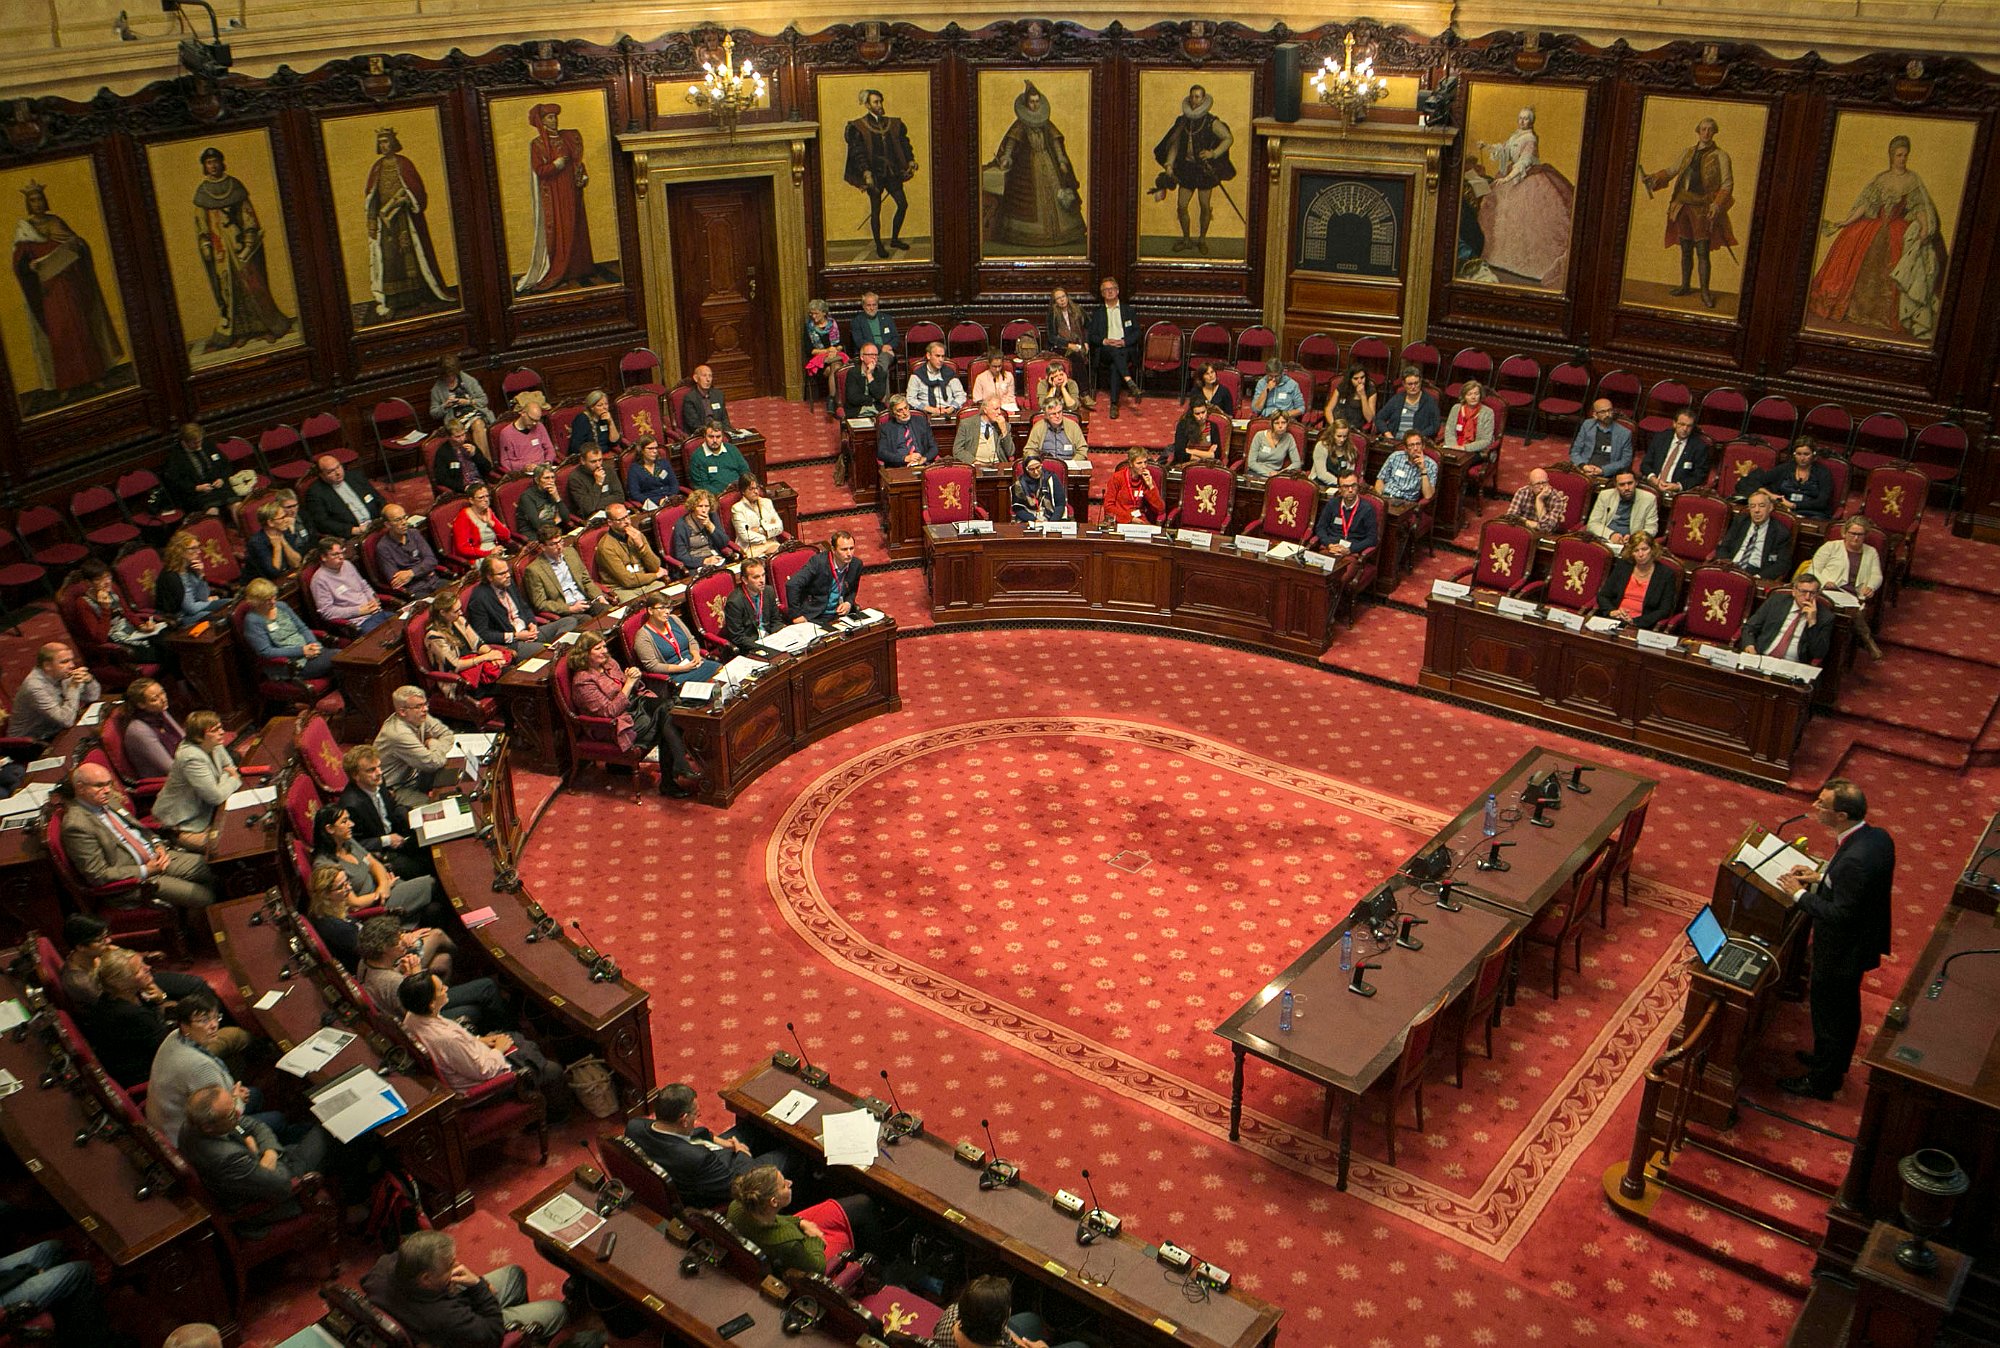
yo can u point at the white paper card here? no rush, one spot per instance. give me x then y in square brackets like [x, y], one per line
[1778, 668]
[1515, 607]
[471, 746]
[443, 821]
[1450, 589]
[565, 1220]
[787, 640]
[974, 527]
[1281, 552]
[696, 690]
[44, 764]
[9, 1083]
[1562, 617]
[534, 666]
[1058, 528]
[851, 1138]
[1840, 598]
[12, 1012]
[271, 999]
[92, 714]
[861, 423]
[743, 667]
[1251, 543]
[1658, 641]
[316, 1052]
[795, 1106]
[1324, 561]
[568, 638]
[256, 795]
[1138, 530]
[357, 1102]
[1199, 538]
[1601, 624]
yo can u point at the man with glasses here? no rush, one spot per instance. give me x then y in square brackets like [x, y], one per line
[342, 594]
[1603, 444]
[1345, 525]
[106, 844]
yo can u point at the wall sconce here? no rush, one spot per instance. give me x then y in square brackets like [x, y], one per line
[724, 92]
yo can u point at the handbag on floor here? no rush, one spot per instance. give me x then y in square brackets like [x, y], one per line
[591, 1083]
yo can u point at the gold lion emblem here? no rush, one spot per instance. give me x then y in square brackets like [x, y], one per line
[1715, 606]
[642, 421]
[329, 756]
[1892, 500]
[1288, 510]
[1574, 575]
[1745, 467]
[1204, 498]
[897, 1320]
[1502, 558]
[212, 553]
[948, 496]
[716, 604]
[147, 579]
[1697, 529]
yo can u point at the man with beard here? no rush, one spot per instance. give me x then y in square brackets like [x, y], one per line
[403, 273]
[1194, 161]
[879, 162]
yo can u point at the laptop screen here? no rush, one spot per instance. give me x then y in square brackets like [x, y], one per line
[1707, 935]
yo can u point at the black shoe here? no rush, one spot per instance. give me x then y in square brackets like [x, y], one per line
[1681, 290]
[1804, 1086]
[1708, 299]
[1138, 394]
[880, 251]
[898, 243]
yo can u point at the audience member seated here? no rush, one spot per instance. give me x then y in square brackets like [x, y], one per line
[275, 632]
[381, 822]
[465, 1060]
[1277, 392]
[1408, 474]
[542, 504]
[242, 1163]
[1196, 437]
[441, 1302]
[1603, 444]
[715, 465]
[1209, 388]
[984, 1317]
[626, 562]
[593, 485]
[903, 440]
[182, 594]
[330, 907]
[1637, 588]
[1470, 425]
[89, 940]
[754, 608]
[500, 613]
[825, 353]
[1038, 495]
[1412, 409]
[1677, 458]
[106, 844]
[1132, 496]
[452, 647]
[479, 531]
[596, 429]
[705, 405]
[1354, 397]
[415, 747]
[405, 557]
[1274, 449]
[151, 734]
[108, 626]
[52, 694]
[1622, 511]
[341, 593]
[1345, 525]
[339, 506]
[458, 463]
[1539, 505]
[934, 387]
[701, 1164]
[1056, 383]
[650, 480]
[600, 687]
[1333, 454]
[334, 844]
[557, 580]
[125, 1023]
[996, 380]
[828, 586]
[42, 1278]
[1057, 434]
[1804, 486]
[391, 952]
[1067, 329]
[754, 520]
[1851, 564]
[188, 1060]
[457, 396]
[195, 474]
[1757, 542]
[279, 547]
[1791, 624]
[699, 541]
[524, 441]
[871, 324]
[663, 646]
[814, 1239]
[864, 390]
[1112, 330]
[203, 776]
[984, 440]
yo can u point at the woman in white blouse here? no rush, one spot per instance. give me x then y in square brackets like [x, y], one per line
[203, 777]
[755, 522]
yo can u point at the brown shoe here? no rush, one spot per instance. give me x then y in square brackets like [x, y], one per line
[1138, 394]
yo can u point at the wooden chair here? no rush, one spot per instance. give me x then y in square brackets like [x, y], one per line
[1418, 1056]
[1480, 1005]
[1561, 923]
[1621, 862]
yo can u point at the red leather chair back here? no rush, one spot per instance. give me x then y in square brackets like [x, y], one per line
[1254, 348]
[1722, 413]
[786, 564]
[1372, 355]
[1841, 471]
[443, 515]
[1208, 497]
[507, 497]
[1696, 525]
[1577, 572]
[1738, 460]
[639, 414]
[1291, 504]
[706, 600]
[1506, 556]
[948, 495]
[320, 752]
[302, 802]
[1516, 382]
[586, 545]
[560, 419]
[1719, 601]
[1774, 420]
[1894, 501]
[137, 571]
[1621, 389]
[1575, 488]
[1209, 342]
[216, 553]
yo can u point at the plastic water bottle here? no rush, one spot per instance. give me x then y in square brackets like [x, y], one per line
[1491, 825]
[1347, 950]
[1285, 1011]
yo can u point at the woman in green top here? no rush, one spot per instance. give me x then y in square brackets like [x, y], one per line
[814, 1239]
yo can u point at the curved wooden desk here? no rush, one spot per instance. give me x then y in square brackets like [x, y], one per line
[1010, 574]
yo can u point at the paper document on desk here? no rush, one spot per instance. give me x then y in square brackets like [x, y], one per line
[1601, 624]
[565, 1220]
[27, 799]
[534, 666]
[695, 690]
[795, 1106]
[791, 639]
[443, 821]
[471, 746]
[1284, 551]
[324, 1046]
[256, 795]
[93, 713]
[1840, 598]
[356, 1101]
[866, 617]
[851, 1139]
[861, 423]
[1773, 859]
[1777, 667]
[743, 667]
[44, 764]
[15, 1012]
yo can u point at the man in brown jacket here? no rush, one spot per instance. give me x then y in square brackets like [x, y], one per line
[626, 563]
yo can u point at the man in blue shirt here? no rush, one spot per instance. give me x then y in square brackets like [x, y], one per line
[1603, 444]
[1277, 392]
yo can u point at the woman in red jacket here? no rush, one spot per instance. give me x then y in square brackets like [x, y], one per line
[479, 531]
[1133, 494]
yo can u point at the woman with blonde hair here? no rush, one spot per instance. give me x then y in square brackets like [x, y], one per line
[276, 633]
[699, 541]
[1333, 454]
[182, 594]
[760, 530]
[812, 1240]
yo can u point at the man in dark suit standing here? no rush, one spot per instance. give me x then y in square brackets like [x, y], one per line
[1677, 457]
[1848, 902]
[1113, 335]
[825, 588]
[700, 1164]
[1756, 542]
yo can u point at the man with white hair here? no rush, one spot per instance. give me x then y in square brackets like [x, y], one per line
[415, 748]
[106, 843]
[935, 386]
[984, 441]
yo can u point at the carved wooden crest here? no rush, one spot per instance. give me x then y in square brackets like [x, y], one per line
[874, 43]
[24, 130]
[544, 63]
[376, 81]
[1035, 40]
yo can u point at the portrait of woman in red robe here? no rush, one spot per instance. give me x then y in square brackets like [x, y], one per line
[1885, 270]
[562, 253]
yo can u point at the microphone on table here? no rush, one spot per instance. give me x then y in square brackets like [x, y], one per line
[1404, 936]
[812, 1076]
[1576, 782]
[998, 1174]
[603, 969]
[1975, 876]
[612, 1194]
[1096, 1221]
[1358, 984]
[1491, 861]
[900, 1123]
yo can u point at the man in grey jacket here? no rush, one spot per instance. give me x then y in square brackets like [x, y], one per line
[52, 695]
[241, 1160]
[106, 844]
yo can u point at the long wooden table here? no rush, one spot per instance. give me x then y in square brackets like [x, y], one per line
[1607, 684]
[1016, 1227]
[1211, 588]
[1398, 547]
[1347, 1043]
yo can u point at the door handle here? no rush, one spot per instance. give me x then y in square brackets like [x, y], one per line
[753, 282]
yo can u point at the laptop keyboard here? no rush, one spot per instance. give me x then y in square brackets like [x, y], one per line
[1730, 963]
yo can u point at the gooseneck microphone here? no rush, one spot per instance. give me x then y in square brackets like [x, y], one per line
[1576, 782]
[900, 1123]
[812, 1076]
[1095, 1221]
[1359, 984]
[998, 1174]
[603, 969]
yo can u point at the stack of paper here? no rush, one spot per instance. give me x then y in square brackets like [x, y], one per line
[565, 1220]
[534, 666]
[444, 820]
[356, 1101]
[790, 640]
[324, 1046]
[696, 690]
[1773, 859]
[851, 1139]
[28, 798]
[93, 713]
[257, 795]
[1602, 624]
[743, 667]
[1840, 598]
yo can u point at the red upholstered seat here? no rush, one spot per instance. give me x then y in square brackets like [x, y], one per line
[277, 679]
[1576, 572]
[102, 520]
[321, 753]
[1016, 328]
[1576, 490]
[1426, 357]
[48, 538]
[888, 1314]
[1209, 343]
[1622, 390]
[639, 413]
[785, 564]
[1319, 356]
[1563, 396]
[302, 800]
[1561, 923]
[113, 665]
[664, 521]
[1719, 599]
[1469, 364]
[1842, 473]
[1413, 1065]
[918, 336]
[398, 431]
[1696, 525]
[1893, 501]
[1774, 420]
[1830, 427]
[507, 496]
[649, 1185]
[592, 739]
[965, 343]
[1162, 352]
[1367, 565]
[1738, 460]
[519, 381]
[218, 555]
[559, 420]
[495, 1110]
[640, 366]
[707, 598]
[1665, 399]
[137, 570]
[1721, 414]
[1291, 504]
[369, 1326]
[1208, 499]
[948, 497]
[284, 453]
[1506, 557]
[138, 919]
[1939, 451]
[1372, 355]
[1255, 346]
[1881, 440]
[1479, 1006]
[141, 789]
[443, 515]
